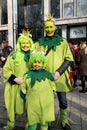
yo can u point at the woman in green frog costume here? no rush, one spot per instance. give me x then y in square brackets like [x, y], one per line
[38, 90]
[59, 58]
[13, 72]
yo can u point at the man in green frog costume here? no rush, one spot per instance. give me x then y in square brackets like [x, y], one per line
[59, 58]
[13, 72]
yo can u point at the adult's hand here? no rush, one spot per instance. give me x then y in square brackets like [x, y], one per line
[19, 80]
[56, 75]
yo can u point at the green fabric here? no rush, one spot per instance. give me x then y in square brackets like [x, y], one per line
[51, 42]
[39, 101]
[13, 102]
[45, 124]
[26, 55]
[10, 125]
[55, 60]
[64, 117]
[32, 127]
[44, 128]
[39, 76]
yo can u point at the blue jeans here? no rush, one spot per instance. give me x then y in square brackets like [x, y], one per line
[62, 99]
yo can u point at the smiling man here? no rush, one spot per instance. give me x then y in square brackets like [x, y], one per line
[59, 58]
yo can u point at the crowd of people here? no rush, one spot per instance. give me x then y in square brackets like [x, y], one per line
[35, 71]
[78, 67]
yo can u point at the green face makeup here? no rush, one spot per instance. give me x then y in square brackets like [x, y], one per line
[49, 28]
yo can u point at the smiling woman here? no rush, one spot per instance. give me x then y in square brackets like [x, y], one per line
[13, 73]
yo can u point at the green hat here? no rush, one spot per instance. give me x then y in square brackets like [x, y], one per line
[37, 56]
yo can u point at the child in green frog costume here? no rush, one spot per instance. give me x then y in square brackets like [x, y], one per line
[38, 89]
[13, 73]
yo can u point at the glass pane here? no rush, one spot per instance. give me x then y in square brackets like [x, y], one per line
[81, 7]
[3, 35]
[68, 9]
[4, 12]
[78, 32]
[30, 16]
[55, 8]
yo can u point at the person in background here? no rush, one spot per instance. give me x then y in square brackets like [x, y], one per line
[82, 63]
[6, 50]
[0, 60]
[73, 65]
[13, 75]
[38, 90]
[59, 59]
[76, 68]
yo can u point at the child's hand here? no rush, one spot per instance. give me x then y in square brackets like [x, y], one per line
[19, 80]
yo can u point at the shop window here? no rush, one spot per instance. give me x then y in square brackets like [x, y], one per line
[78, 32]
[68, 8]
[4, 17]
[55, 8]
[81, 8]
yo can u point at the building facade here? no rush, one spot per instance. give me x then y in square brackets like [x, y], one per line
[70, 18]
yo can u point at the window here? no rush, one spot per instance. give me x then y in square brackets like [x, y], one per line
[68, 8]
[81, 7]
[30, 15]
[55, 8]
[4, 18]
[78, 32]
[3, 35]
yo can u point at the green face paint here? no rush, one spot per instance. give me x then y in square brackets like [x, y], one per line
[49, 28]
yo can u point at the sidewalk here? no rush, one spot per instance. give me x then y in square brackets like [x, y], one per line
[77, 110]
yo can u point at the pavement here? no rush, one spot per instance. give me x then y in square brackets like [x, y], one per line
[77, 111]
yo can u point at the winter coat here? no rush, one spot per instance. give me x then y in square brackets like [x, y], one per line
[82, 62]
[5, 52]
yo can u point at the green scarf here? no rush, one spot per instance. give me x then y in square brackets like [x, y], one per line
[39, 76]
[26, 55]
[51, 42]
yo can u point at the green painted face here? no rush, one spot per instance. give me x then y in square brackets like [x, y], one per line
[49, 28]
